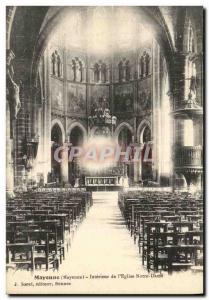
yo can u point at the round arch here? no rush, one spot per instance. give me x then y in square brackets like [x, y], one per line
[59, 123]
[121, 126]
[77, 124]
[140, 130]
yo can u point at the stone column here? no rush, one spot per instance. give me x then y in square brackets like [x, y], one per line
[100, 73]
[37, 136]
[12, 108]
[9, 158]
[138, 163]
[46, 116]
[64, 164]
[156, 115]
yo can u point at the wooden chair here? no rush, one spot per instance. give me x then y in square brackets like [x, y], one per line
[21, 255]
[45, 248]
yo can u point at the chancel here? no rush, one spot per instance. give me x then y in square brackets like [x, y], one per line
[105, 123]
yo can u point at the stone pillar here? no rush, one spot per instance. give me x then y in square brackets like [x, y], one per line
[13, 105]
[136, 172]
[124, 72]
[156, 116]
[37, 136]
[9, 158]
[100, 73]
[46, 116]
[178, 96]
[138, 164]
[64, 164]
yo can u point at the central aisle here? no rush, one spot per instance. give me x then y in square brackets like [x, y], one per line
[102, 242]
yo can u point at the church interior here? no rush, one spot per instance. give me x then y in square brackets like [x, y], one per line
[82, 82]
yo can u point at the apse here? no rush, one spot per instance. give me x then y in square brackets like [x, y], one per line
[106, 73]
[103, 30]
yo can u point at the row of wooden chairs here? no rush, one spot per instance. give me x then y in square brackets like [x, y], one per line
[168, 228]
[40, 227]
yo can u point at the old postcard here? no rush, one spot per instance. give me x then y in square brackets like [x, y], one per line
[104, 119]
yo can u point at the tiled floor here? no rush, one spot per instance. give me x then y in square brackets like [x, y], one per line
[102, 242]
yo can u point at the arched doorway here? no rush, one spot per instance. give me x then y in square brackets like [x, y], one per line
[146, 135]
[56, 141]
[76, 138]
[125, 138]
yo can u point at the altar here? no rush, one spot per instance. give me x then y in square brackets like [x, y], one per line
[102, 181]
[113, 179]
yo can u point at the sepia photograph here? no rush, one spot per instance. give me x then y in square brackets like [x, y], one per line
[104, 150]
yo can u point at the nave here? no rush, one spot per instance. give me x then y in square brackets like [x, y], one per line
[101, 246]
